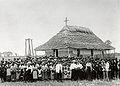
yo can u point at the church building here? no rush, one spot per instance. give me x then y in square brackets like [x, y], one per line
[74, 41]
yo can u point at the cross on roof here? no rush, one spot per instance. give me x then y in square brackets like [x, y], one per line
[66, 20]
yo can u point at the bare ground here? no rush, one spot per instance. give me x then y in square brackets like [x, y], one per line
[64, 83]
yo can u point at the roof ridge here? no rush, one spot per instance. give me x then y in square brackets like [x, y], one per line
[76, 29]
[75, 37]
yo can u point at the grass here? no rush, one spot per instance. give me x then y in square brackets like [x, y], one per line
[64, 83]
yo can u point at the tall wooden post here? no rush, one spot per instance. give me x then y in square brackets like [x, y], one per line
[92, 54]
[32, 48]
[29, 47]
[114, 52]
[103, 53]
[78, 52]
[25, 47]
[54, 52]
[68, 52]
[35, 52]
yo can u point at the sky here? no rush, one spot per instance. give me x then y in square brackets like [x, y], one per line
[42, 19]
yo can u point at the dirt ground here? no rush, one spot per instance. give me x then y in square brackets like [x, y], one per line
[64, 83]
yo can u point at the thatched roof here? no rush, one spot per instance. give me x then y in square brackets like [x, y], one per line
[75, 37]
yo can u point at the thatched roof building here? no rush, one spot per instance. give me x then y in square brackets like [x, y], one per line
[73, 40]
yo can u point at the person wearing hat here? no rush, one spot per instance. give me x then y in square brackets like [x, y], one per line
[8, 75]
[39, 73]
[103, 68]
[35, 73]
[46, 71]
[73, 70]
[43, 70]
[13, 72]
[17, 72]
[79, 70]
[29, 70]
[89, 70]
[3, 73]
[58, 69]
[52, 69]
[107, 65]
[21, 72]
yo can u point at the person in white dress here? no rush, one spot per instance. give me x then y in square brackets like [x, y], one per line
[35, 74]
[8, 73]
[107, 65]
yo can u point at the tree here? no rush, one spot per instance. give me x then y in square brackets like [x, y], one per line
[108, 42]
[7, 54]
[16, 54]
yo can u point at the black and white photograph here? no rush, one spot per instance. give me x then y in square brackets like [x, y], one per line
[60, 43]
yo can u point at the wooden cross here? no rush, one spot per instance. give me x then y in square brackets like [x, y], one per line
[66, 20]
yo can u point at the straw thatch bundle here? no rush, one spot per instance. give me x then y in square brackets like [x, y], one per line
[74, 37]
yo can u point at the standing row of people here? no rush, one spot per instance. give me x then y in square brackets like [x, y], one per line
[33, 69]
[104, 69]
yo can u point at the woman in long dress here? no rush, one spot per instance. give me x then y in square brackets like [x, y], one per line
[17, 72]
[35, 74]
[8, 75]
[13, 73]
[39, 73]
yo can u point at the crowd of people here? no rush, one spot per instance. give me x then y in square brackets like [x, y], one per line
[31, 69]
